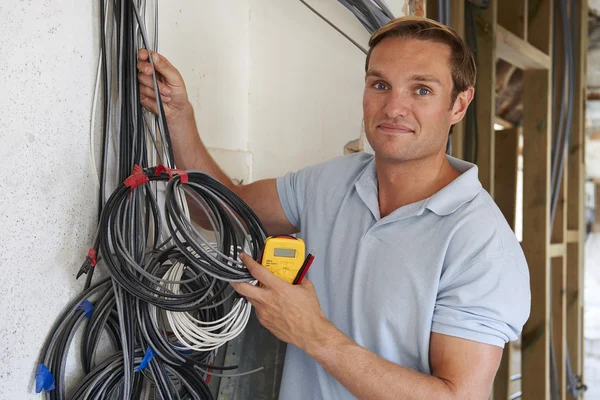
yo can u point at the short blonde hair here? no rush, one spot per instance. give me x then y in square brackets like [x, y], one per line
[462, 62]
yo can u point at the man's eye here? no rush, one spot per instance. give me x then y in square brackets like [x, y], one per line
[423, 91]
[380, 86]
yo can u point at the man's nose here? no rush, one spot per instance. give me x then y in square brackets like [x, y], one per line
[397, 105]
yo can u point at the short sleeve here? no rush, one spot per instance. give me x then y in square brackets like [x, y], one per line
[488, 302]
[295, 189]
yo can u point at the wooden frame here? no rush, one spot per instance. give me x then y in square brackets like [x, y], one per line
[554, 255]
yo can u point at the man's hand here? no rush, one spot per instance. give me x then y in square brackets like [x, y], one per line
[170, 84]
[290, 312]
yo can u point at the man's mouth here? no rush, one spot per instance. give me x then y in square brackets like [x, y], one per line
[395, 128]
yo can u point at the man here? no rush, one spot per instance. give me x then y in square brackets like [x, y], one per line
[419, 281]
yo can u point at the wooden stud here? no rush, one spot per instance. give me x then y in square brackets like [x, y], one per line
[485, 96]
[505, 173]
[537, 119]
[557, 250]
[518, 52]
[457, 22]
[505, 183]
[539, 30]
[559, 319]
[572, 234]
[502, 122]
[576, 196]
[512, 15]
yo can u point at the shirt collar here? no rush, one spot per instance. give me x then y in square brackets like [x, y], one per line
[460, 191]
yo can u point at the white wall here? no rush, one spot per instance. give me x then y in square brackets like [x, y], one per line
[48, 203]
[273, 86]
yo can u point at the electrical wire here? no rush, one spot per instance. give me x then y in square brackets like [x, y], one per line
[167, 308]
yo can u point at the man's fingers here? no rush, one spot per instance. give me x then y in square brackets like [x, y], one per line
[149, 82]
[246, 289]
[142, 54]
[149, 104]
[167, 70]
[161, 65]
[259, 272]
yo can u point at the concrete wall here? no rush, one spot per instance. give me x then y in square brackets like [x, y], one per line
[48, 197]
[274, 89]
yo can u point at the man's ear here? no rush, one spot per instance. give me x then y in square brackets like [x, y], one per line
[459, 109]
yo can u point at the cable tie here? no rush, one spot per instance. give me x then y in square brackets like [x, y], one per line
[90, 261]
[43, 379]
[87, 307]
[209, 374]
[92, 255]
[180, 348]
[136, 178]
[183, 176]
[148, 356]
[160, 169]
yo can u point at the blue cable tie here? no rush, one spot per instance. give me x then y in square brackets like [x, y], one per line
[184, 350]
[87, 307]
[43, 379]
[148, 356]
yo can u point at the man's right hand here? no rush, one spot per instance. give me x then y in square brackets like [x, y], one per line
[170, 84]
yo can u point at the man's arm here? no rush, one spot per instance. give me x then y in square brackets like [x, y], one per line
[461, 369]
[191, 154]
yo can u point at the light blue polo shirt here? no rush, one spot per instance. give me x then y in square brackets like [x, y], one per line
[448, 264]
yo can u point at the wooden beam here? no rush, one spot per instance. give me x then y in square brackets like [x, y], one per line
[512, 14]
[505, 173]
[457, 22]
[576, 196]
[539, 35]
[557, 250]
[573, 235]
[485, 95]
[504, 123]
[518, 52]
[537, 134]
[559, 320]
[537, 119]
[505, 184]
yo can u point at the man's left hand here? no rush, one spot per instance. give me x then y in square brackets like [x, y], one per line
[290, 312]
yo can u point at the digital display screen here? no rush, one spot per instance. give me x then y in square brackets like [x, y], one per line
[284, 253]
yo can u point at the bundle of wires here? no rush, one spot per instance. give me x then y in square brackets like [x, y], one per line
[167, 307]
[372, 14]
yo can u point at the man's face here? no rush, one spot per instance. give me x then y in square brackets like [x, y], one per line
[406, 101]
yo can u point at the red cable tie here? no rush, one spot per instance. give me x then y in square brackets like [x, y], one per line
[92, 254]
[183, 176]
[209, 374]
[136, 178]
[159, 170]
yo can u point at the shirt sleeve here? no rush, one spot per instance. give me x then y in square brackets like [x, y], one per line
[488, 302]
[295, 189]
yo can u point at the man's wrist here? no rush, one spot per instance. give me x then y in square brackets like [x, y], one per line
[183, 116]
[324, 341]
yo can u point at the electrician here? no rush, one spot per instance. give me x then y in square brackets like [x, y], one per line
[419, 281]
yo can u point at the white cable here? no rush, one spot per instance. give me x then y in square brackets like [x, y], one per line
[197, 335]
[95, 103]
[93, 122]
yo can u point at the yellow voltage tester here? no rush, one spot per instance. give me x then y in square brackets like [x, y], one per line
[284, 257]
